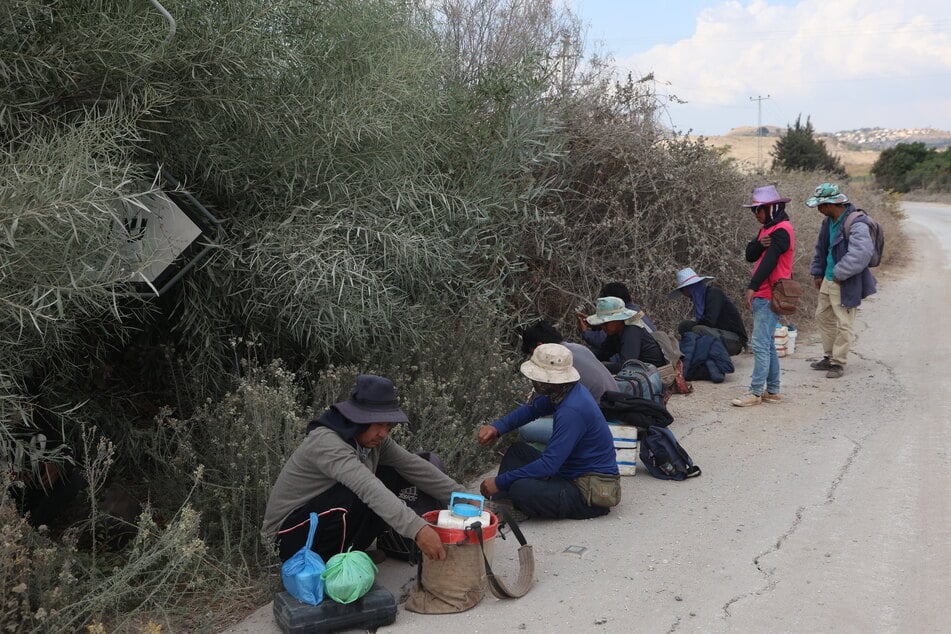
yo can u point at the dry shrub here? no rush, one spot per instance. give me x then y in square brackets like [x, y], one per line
[240, 441]
[49, 585]
[464, 377]
[637, 204]
[37, 576]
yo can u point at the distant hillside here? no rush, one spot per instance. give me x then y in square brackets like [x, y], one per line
[749, 151]
[882, 138]
[750, 130]
[863, 138]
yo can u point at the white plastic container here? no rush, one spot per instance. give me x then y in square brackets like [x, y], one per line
[462, 515]
[449, 520]
[791, 342]
[781, 340]
[625, 447]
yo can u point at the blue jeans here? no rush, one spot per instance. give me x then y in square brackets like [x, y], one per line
[537, 431]
[551, 498]
[765, 358]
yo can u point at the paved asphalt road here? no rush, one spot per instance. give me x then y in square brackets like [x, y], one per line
[830, 512]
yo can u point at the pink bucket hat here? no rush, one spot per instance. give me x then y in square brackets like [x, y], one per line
[766, 195]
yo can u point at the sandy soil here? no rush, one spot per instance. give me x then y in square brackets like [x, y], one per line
[830, 512]
[746, 152]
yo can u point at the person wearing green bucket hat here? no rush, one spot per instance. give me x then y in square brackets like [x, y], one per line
[839, 267]
[626, 338]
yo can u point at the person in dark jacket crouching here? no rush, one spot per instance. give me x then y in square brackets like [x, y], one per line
[627, 337]
[580, 452]
[714, 313]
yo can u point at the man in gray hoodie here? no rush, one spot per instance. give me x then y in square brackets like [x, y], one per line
[335, 468]
[840, 270]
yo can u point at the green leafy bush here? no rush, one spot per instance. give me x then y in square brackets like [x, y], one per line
[909, 166]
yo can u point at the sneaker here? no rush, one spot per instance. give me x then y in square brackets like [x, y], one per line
[496, 507]
[769, 397]
[835, 371]
[824, 364]
[746, 400]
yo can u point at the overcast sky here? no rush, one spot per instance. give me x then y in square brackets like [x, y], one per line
[845, 63]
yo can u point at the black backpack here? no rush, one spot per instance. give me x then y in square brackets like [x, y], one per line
[664, 457]
[631, 410]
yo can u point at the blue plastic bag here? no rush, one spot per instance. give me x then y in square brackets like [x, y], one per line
[302, 572]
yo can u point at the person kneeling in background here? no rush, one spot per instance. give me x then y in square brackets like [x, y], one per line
[714, 313]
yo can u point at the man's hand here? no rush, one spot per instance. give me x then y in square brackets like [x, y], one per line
[583, 324]
[488, 487]
[429, 543]
[766, 241]
[748, 300]
[487, 435]
[818, 281]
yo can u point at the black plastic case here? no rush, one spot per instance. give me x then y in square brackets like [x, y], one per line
[375, 609]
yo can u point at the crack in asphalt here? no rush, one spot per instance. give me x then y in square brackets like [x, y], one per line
[674, 626]
[789, 532]
[895, 394]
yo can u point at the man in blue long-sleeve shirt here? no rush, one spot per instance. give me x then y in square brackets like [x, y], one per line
[542, 484]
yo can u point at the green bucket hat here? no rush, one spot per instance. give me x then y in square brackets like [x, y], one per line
[610, 309]
[827, 193]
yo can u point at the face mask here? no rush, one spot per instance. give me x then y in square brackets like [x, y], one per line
[548, 389]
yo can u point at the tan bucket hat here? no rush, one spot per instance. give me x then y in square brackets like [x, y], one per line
[551, 363]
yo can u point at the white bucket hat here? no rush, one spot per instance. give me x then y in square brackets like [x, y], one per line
[610, 309]
[551, 363]
[688, 277]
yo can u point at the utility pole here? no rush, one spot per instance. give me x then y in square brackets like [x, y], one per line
[759, 130]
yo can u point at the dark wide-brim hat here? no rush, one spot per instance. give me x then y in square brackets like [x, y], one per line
[373, 400]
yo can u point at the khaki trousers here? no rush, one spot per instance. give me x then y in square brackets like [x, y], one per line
[835, 321]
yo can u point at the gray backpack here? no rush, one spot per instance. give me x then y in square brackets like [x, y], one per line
[641, 380]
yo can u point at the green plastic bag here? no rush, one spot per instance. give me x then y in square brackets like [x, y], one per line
[348, 576]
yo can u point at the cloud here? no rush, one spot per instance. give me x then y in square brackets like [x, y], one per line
[811, 53]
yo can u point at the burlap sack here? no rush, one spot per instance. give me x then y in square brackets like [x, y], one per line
[453, 585]
[671, 347]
